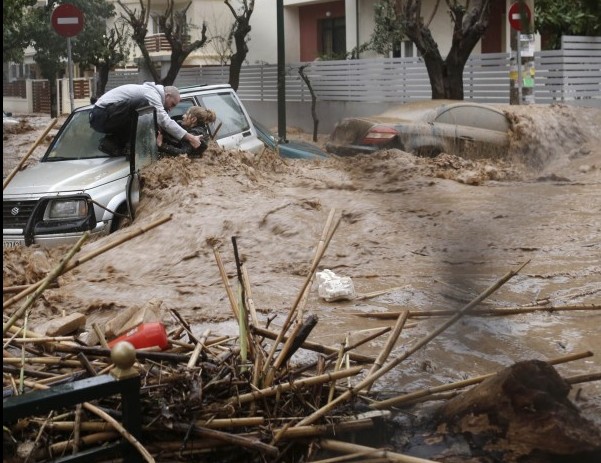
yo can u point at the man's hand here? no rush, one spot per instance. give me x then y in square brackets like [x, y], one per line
[193, 140]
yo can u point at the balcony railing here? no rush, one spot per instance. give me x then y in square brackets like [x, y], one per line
[158, 43]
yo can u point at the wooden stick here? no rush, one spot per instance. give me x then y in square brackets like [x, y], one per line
[58, 270]
[345, 447]
[126, 237]
[10, 176]
[412, 396]
[390, 365]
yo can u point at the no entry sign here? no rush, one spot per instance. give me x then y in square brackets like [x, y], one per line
[67, 20]
[516, 21]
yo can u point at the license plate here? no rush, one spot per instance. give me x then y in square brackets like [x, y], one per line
[11, 244]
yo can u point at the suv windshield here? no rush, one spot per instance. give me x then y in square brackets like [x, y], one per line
[76, 140]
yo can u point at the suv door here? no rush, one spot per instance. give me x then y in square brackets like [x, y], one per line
[144, 136]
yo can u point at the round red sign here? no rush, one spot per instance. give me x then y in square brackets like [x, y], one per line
[515, 15]
[67, 20]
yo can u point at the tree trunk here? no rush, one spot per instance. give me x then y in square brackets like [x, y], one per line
[524, 410]
[103, 78]
[240, 55]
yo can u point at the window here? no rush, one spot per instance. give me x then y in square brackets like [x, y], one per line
[230, 116]
[155, 28]
[406, 49]
[332, 32]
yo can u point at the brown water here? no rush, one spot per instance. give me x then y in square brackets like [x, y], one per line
[439, 231]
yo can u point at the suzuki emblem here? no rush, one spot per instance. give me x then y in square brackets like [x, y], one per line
[14, 211]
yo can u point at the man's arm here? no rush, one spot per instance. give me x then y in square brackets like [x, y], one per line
[192, 139]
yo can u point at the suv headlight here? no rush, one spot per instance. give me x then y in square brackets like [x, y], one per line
[61, 209]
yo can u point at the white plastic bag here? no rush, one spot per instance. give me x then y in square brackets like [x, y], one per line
[332, 287]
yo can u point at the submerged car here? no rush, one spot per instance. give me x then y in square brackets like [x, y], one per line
[77, 188]
[425, 128]
[290, 148]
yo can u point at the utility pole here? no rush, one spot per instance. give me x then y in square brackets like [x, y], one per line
[281, 71]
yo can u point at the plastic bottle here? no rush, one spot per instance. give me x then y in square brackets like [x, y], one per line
[145, 335]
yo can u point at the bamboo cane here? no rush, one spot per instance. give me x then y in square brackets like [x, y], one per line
[126, 237]
[410, 397]
[323, 349]
[233, 439]
[361, 297]
[392, 340]
[584, 378]
[10, 176]
[19, 288]
[390, 365]
[58, 270]
[41, 340]
[322, 240]
[498, 311]
[100, 335]
[198, 349]
[292, 311]
[301, 432]
[337, 367]
[278, 388]
[345, 447]
[77, 429]
[226, 284]
[346, 349]
[117, 426]
[249, 298]
[60, 448]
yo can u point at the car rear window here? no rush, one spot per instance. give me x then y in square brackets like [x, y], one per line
[474, 116]
[230, 115]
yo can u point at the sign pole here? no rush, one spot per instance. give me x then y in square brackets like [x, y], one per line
[70, 65]
[519, 63]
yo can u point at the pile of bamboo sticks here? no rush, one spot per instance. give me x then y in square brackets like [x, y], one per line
[220, 398]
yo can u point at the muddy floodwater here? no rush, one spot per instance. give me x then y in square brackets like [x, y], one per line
[431, 234]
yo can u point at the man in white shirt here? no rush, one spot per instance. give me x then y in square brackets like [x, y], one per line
[113, 112]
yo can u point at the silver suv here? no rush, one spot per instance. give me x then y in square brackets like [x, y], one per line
[76, 187]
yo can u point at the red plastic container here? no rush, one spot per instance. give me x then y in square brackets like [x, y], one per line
[145, 335]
